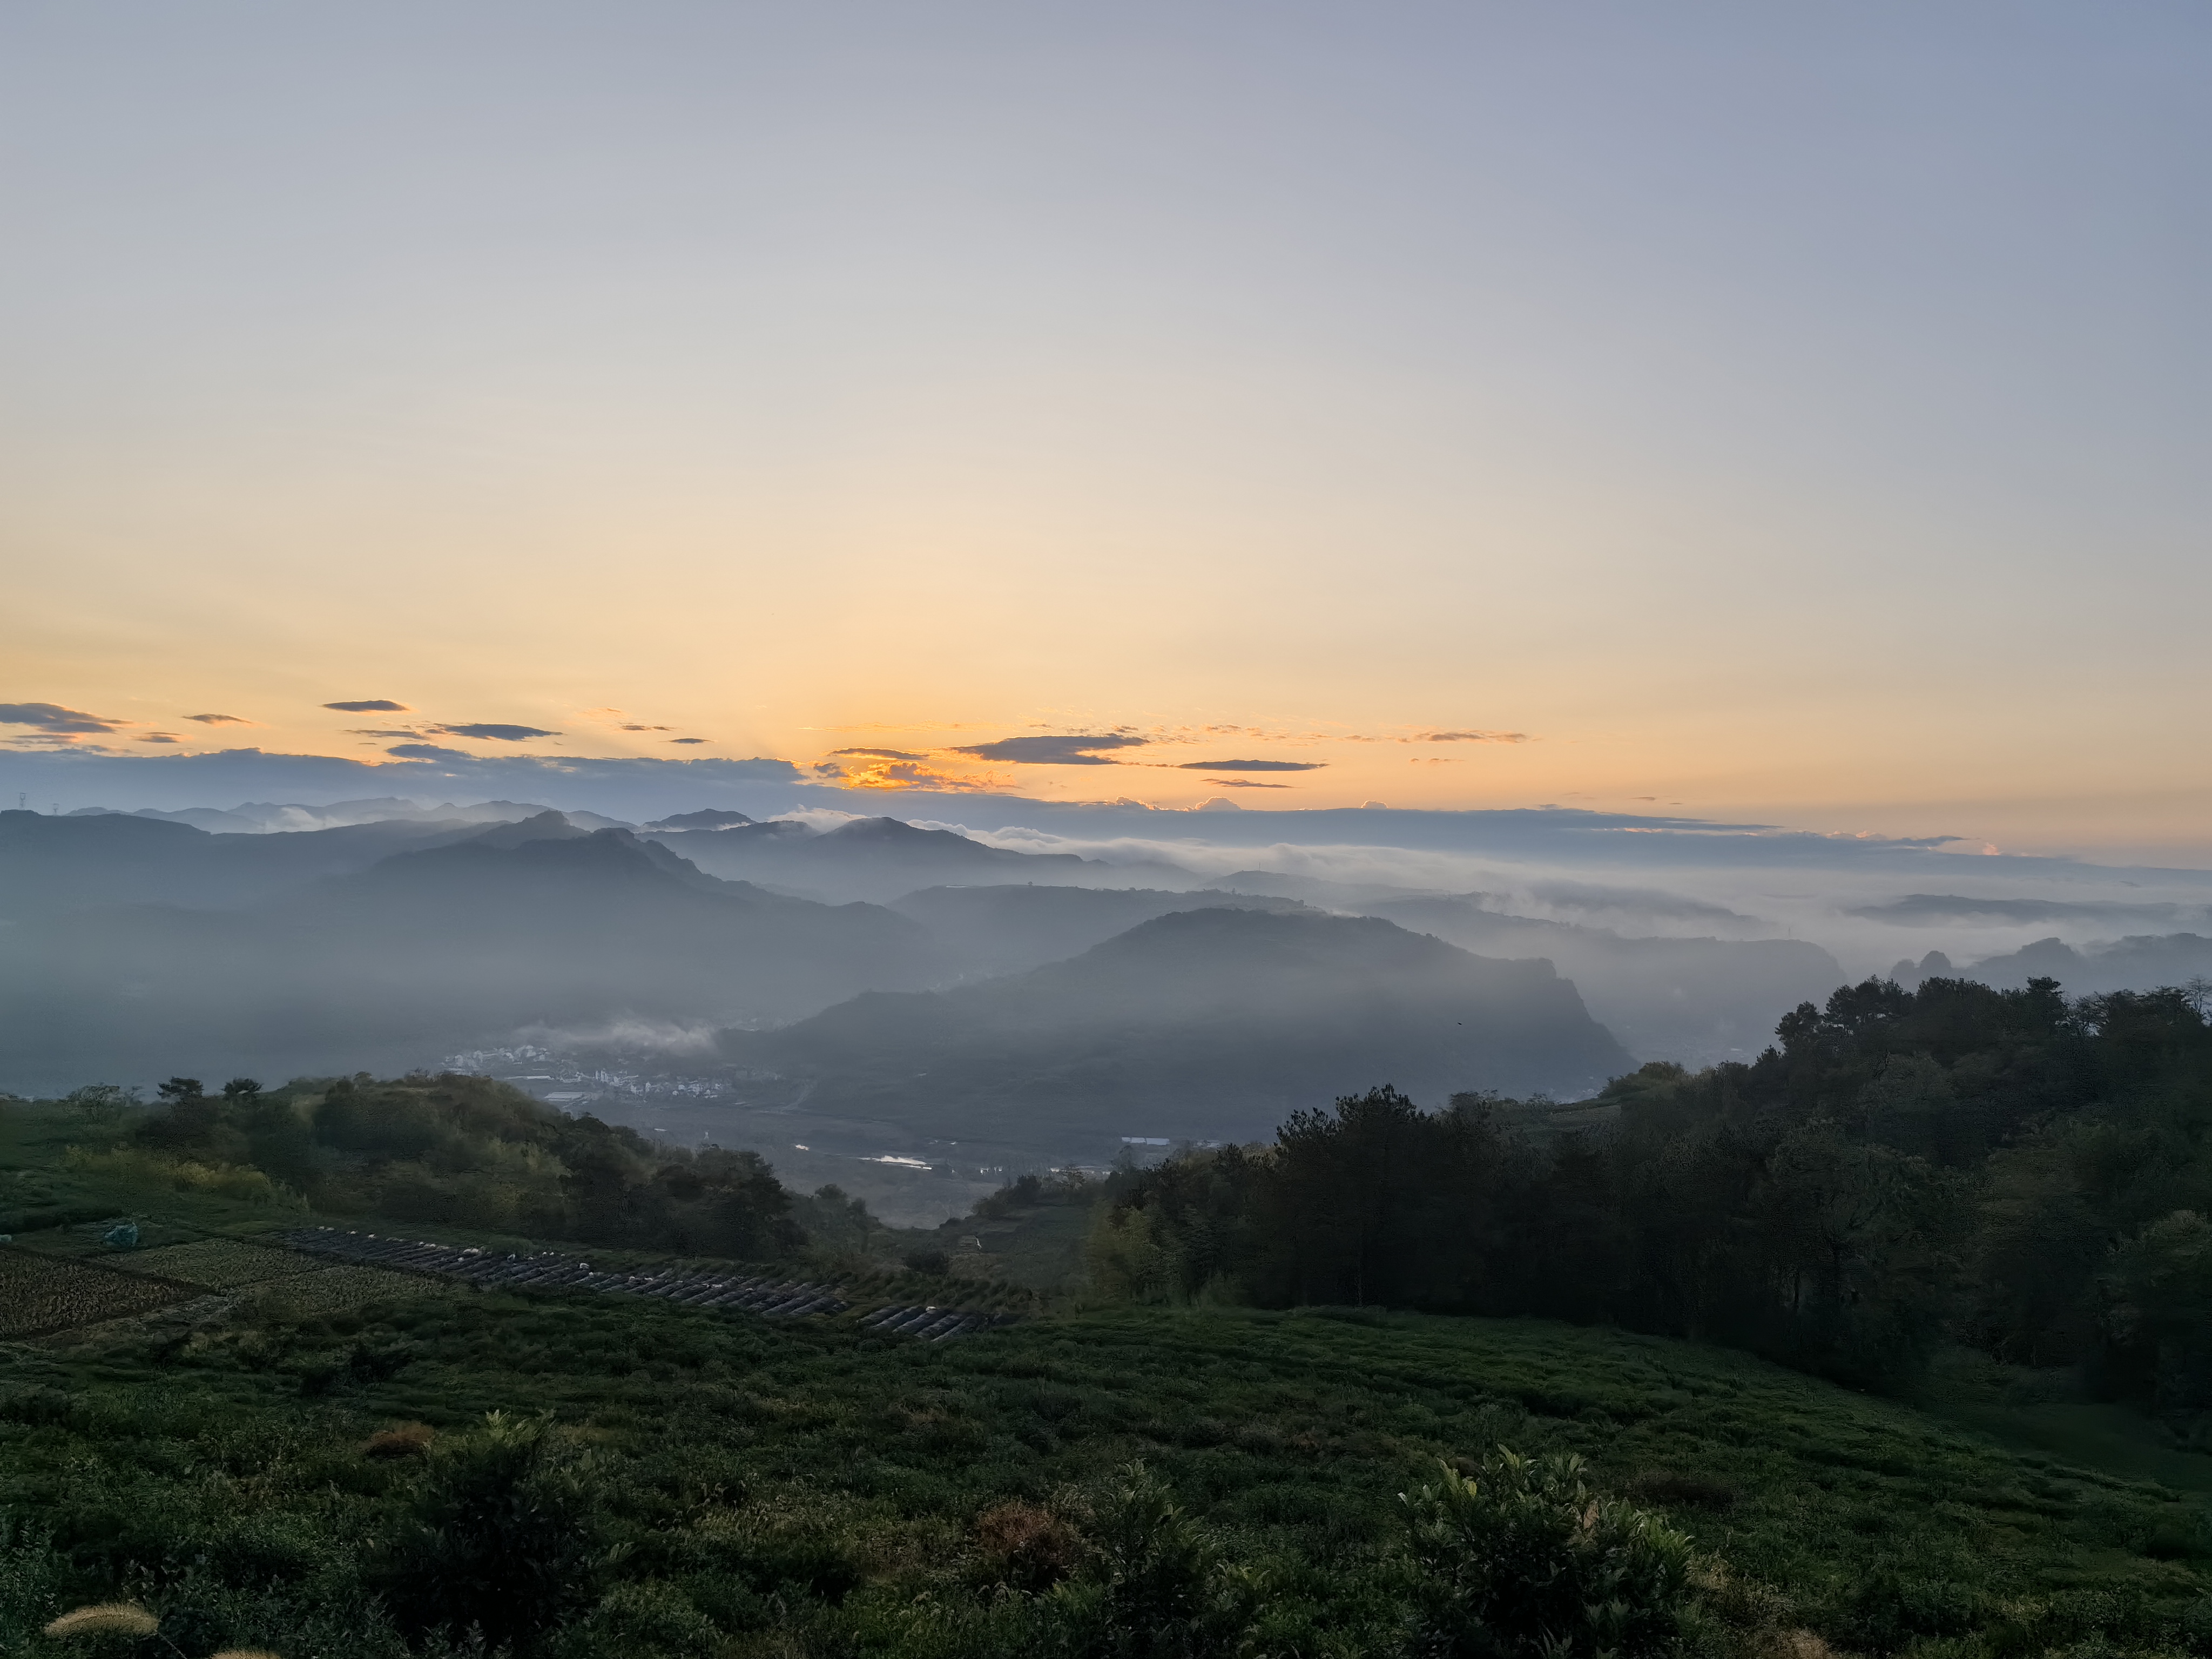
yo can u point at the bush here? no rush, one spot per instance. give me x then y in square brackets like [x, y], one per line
[1524, 1558]
[500, 1542]
[1154, 1587]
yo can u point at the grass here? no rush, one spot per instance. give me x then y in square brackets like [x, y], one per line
[1875, 1524]
[806, 1488]
[2044, 1414]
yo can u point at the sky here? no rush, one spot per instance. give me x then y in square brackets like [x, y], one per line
[1792, 414]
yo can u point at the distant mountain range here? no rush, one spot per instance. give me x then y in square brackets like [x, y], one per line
[260, 818]
[49, 865]
[1695, 1000]
[133, 945]
[2138, 962]
[1199, 1024]
[878, 859]
[989, 931]
[534, 925]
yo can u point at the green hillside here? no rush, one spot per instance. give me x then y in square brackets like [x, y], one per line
[737, 1487]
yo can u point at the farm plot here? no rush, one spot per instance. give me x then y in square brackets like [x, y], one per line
[218, 1264]
[40, 1293]
[337, 1289]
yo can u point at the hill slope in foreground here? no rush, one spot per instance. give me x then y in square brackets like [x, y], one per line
[810, 1489]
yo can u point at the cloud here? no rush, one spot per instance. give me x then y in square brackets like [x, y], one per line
[1250, 765]
[1921, 909]
[1054, 751]
[627, 1032]
[427, 751]
[222, 720]
[494, 733]
[1640, 904]
[56, 720]
[377, 731]
[882, 753]
[370, 706]
[884, 771]
[684, 739]
[1245, 783]
[158, 737]
[1470, 737]
[632, 725]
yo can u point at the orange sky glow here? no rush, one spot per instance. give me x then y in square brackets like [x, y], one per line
[1798, 420]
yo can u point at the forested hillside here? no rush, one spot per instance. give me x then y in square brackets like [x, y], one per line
[450, 1151]
[1904, 1168]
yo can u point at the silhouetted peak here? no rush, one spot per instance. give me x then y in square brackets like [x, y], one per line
[711, 817]
[548, 825]
[894, 830]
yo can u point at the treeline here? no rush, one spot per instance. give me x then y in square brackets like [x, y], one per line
[458, 1151]
[1901, 1169]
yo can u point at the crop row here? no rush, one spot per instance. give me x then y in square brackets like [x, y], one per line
[39, 1293]
[723, 1292]
[339, 1290]
[218, 1264]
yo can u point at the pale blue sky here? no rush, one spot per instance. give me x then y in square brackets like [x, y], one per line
[1797, 410]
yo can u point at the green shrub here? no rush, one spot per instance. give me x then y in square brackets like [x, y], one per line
[1523, 1558]
[1154, 1585]
[500, 1542]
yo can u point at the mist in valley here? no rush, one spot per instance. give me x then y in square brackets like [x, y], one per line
[926, 999]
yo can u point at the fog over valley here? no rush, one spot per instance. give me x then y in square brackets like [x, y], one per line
[825, 986]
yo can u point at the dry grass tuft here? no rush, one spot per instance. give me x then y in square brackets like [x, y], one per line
[106, 1618]
[401, 1440]
[1032, 1547]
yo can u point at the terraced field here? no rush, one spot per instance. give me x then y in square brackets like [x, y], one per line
[322, 1292]
[682, 1285]
[218, 1264]
[41, 1293]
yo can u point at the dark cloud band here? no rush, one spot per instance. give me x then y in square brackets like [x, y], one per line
[52, 717]
[492, 731]
[1078, 751]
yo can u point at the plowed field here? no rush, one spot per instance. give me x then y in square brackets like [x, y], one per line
[40, 1293]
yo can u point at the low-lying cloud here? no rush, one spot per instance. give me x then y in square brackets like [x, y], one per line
[1929, 909]
[628, 1035]
[1078, 751]
[222, 720]
[428, 751]
[58, 722]
[370, 706]
[1250, 765]
[491, 731]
